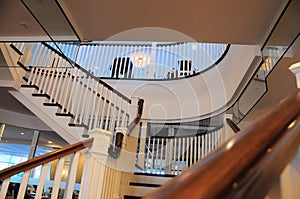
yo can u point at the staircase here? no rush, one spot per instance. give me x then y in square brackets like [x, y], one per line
[143, 183]
[65, 96]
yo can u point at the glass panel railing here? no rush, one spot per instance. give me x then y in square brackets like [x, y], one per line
[282, 36]
[282, 42]
[52, 20]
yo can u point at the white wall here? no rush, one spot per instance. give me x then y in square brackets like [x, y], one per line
[195, 97]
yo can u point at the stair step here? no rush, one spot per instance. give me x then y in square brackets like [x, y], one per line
[29, 86]
[65, 114]
[23, 66]
[131, 197]
[78, 125]
[16, 49]
[52, 104]
[143, 184]
[40, 95]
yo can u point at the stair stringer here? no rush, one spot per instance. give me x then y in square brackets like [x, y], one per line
[47, 115]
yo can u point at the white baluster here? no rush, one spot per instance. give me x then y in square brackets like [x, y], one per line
[41, 183]
[23, 185]
[157, 155]
[175, 155]
[71, 176]
[92, 104]
[4, 187]
[57, 178]
[179, 155]
[187, 152]
[153, 153]
[104, 104]
[161, 154]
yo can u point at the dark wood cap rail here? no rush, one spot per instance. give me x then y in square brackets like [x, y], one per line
[43, 159]
[248, 164]
[137, 119]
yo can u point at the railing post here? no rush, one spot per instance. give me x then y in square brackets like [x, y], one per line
[295, 68]
[94, 176]
[290, 178]
[227, 131]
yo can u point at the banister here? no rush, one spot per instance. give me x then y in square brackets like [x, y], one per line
[137, 119]
[87, 72]
[43, 159]
[243, 167]
[232, 125]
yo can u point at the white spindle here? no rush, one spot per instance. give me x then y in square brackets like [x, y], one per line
[77, 95]
[23, 185]
[199, 145]
[92, 108]
[4, 187]
[157, 155]
[57, 178]
[41, 183]
[161, 154]
[152, 155]
[178, 155]
[71, 176]
[175, 155]
[187, 152]
[195, 150]
[108, 109]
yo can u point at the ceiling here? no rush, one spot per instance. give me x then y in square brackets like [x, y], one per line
[230, 21]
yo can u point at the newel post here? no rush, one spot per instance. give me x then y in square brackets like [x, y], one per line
[290, 178]
[94, 175]
[295, 68]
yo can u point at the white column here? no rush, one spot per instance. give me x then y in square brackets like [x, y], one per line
[94, 177]
[295, 68]
[290, 178]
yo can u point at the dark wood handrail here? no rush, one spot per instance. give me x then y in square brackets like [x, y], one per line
[243, 167]
[232, 125]
[43, 159]
[138, 117]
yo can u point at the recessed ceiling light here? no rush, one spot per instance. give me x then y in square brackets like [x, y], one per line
[22, 133]
[23, 25]
[50, 142]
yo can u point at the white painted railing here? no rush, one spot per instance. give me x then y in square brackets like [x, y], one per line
[79, 94]
[144, 61]
[65, 175]
[172, 155]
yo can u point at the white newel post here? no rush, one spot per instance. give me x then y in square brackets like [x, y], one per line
[290, 178]
[295, 68]
[94, 174]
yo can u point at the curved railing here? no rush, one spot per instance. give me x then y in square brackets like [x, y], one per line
[43, 161]
[247, 165]
[133, 60]
[171, 155]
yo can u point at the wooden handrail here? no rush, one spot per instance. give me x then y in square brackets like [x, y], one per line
[137, 119]
[243, 167]
[43, 159]
[232, 125]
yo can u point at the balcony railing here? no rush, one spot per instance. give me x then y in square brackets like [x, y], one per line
[135, 60]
